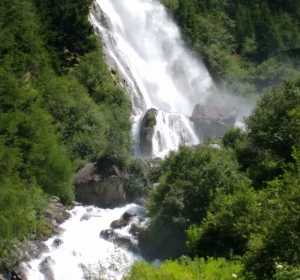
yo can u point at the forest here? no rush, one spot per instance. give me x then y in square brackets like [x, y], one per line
[243, 43]
[229, 213]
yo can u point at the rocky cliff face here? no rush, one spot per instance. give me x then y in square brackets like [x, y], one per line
[212, 119]
[102, 187]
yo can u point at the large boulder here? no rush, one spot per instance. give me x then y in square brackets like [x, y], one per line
[45, 267]
[147, 132]
[107, 234]
[136, 229]
[124, 241]
[101, 185]
[212, 119]
[123, 221]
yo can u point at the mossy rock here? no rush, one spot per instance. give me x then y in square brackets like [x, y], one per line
[147, 132]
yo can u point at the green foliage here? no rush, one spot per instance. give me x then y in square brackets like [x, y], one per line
[184, 268]
[151, 121]
[183, 198]
[284, 272]
[280, 241]
[253, 214]
[259, 225]
[230, 221]
[274, 124]
[114, 105]
[66, 30]
[138, 171]
[92, 72]
[233, 137]
[51, 124]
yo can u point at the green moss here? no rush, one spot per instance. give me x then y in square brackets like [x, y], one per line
[151, 121]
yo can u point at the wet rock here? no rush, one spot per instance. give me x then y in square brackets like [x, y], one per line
[136, 229]
[119, 223]
[147, 132]
[122, 240]
[54, 199]
[74, 203]
[89, 215]
[123, 221]
[21, 271]
[34, 250]
[4, 276]
[85, 217]
[45, 267]
[107, 234]
[212, 119]
[57, 212]
[57, 243]
[128, 215]
[119, 239]
[74, 253]
[101, 185]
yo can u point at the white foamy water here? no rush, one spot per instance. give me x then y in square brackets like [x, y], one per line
[81, 243]
[180, 131]
[145, 46]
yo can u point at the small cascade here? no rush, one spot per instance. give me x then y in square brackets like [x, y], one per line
[180, 132]
[155, 67]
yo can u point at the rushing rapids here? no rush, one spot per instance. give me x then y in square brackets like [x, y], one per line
[143, 45]
[80, 244]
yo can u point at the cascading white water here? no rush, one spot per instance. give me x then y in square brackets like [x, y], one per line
[179, 132]
[160, 72]
[81, 244]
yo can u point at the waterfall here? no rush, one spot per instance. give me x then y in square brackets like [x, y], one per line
[158, 71]
[144, 48]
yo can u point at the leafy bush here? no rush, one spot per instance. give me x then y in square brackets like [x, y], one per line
[183, 198]
[233, 137]
[274, 124]
[139, 184]
[184, 268]
[279, 242]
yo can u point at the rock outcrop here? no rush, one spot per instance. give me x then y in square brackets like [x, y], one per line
[212, 119]
[136, 229]
[56, 214]
[123, 221]
[33, 250]
[119, 239]
[147, 132]
[45, 267]
[102, 186]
